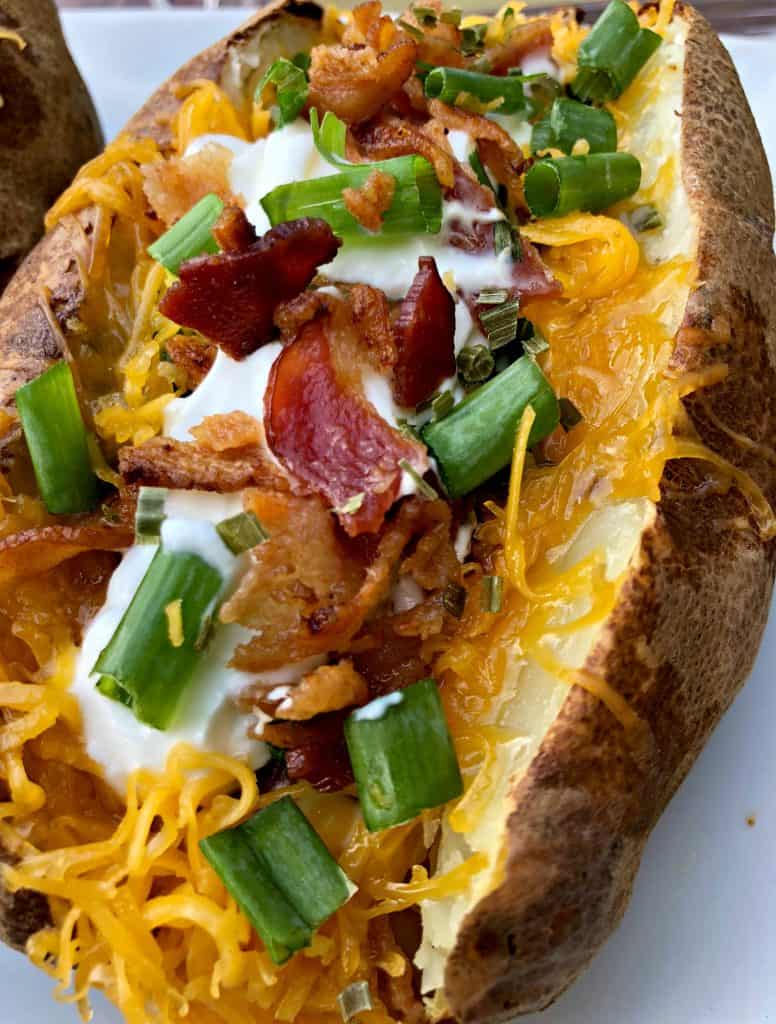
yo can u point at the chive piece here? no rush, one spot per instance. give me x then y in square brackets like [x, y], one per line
[475, 364]
[412, 30]
[476, 439]
[56, 438]
[451, 17]
[423, 486]
[594, 182]
[291, 88]
[492, 296]
[611, 56]
[427, 16]
[500, 323]
[492, 593]
[351, 506]
[191, 236]
[442, 405]
[569, 414]
[302, 60]
[533, 341]
[402, 755]
[149, 514]
[473, 39]
[542, 91]
[416, 205]
[646, 218]
[353, 1000]
[569, 121]
[110, 688]
[507, 237]
[454, 599]
[242, 532]
[458, 86]
[482, 175]
[140, 657]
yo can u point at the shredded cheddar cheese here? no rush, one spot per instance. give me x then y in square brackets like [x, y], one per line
[206, 109]
[13, 37]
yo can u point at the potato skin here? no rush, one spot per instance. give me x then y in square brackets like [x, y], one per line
[48, 125]
[686, 629]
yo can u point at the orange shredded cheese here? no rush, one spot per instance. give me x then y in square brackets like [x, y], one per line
[206, 110]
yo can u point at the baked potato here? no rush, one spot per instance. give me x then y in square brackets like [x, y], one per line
[48, 125]
[587, 620]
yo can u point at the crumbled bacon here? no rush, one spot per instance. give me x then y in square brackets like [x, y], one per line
[388, 661]
[398, 990]
[371, 319]
[434, 564]
[476, 127]
[227, 431]
[231, 297]
[173, 186]
[233, 231]
[324, 431]
[389, 136]
[369, 202]
[193, 355]
[424, 330]
[163, 462]
[506, 172]
[327, 688]
[522, 39]
[364, 16]
[315, 750]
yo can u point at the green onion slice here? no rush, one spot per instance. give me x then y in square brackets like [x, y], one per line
[280, 873]
[475, 364]
[569, 121]
[492, 593]
[473, 39]
[475, 441]
[427, 16]
[611, 56]
[402, 755]
[531, 338]
[356, 998]
[56, 438]
[594, 182]
[191, 236]
[242, 532]
[442, 404]
[460, 87]
[329, 136]
[140, 657]
[500, 323]
[423, 486]
[149, 514]
[290, 81]
[646, 218]
[452, 16]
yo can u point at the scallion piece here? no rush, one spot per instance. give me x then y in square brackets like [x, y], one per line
[459, 87]
[569, 121]
[594, 182]
[646, 218]
[291, 87]
[149, 514]
[475, 364]
[140, 656]
[500, 323]
[191, 236]
[492, 296]
[492, 593]
[423, 486]
[355, 999]
[473, 39]
[452, 16]
[442, 405]
[402, 755]
[242, 532]
[611, 56]
[278, 870]
[476, 439]
[56, 438]
[532, 339]
[507, 237]
[427, 16]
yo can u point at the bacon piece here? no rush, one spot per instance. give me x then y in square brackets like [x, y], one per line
[424, 330]
[355, 83]
[173, 186]
[390, 662]
[521, 40]
[477, 127]
[434, 564]
[371, 318]
[183, 465]
[193, 355]
[530, 276]
[389, 136]
[315, 750]
[364, 16]
[233, 231]
[507, 173]
[227, 431]
[368, 203]
[231, 297]
[399, 991]
[325, 432]
[477, 236]
[328, 688]
[41, 548]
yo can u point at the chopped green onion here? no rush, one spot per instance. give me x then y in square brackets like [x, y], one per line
[492, 296]
[459, 87]
[330, 138]
[302, 60]
[110, 688]
[402, 755]
[242, 532]
[569, 121]
[500, 323]
[442, 405]
[454, 599]
[140, 656]
[427, 16]
[351, 506]
[569, 414]
[476, 439]
[473, 39]
[56, 438]
[542, 91]
[191, 236]
[492, 593]
[611, 56]
[411, 30]
[149, 514]
[482, 175]
[646, 218]
[475, 364]
[291, 87]
[451, 17]
[507, 237]
[423, 486]
[531, 338]
[354, 1000]
[594, 182]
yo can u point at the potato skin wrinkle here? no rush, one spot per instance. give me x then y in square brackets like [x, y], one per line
[689, 618]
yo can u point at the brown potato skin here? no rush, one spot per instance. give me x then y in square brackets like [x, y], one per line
[48, 125]
[686, 629]
[689, 621]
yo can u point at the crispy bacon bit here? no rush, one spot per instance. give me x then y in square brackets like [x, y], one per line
[41, 548]
[441, 43]
[388, 136]
[477, 236]
[521, 40]
[315, 750]
[193, 355]
[227, 431]
[364, 17]
[355, 83]
[231, 297]
[371, 318]
[173, 186]
[233, 231]
[477, 127]
[434, 564]
[424, 330]
[389, 662]
[507, 173]
[328, 688]
[530, 277]
[162, 462]
[325, 432]
[398, 988]
[368, 203]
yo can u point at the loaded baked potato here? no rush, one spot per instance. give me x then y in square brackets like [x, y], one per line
[403, 519]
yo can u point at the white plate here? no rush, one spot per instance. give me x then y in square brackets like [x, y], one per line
[698, 944]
